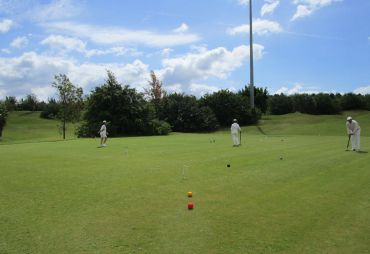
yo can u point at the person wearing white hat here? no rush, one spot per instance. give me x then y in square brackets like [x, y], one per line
[235, 130]
[103, 134]
[354, 131]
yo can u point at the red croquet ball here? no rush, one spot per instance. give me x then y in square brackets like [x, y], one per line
[190, 206]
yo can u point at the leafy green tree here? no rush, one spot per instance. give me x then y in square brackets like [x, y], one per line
[51, 110]
[3, 117]
[326, 104]
[304, 103]
[10, 103]
[280, 104]
[351, 101]
[126, 111]
[367, 101]
[30, 103]
[185, 114]
[261, 96]
[227, 105]
[70, 100]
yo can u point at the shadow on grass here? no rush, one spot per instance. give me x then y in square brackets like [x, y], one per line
[260, 130]
[362, 152]
[26, 113]
[34, 142]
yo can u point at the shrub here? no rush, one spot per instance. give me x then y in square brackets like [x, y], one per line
[51, 110]
[158, 127]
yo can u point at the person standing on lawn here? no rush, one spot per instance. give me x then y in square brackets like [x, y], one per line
[354, 131]
[103, 134]
[235, 130]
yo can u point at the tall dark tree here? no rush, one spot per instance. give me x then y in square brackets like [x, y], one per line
[304, 103]
[228, 105]
[51, 109]
[326, 104]
[126, 111]
[70, 100]
[281, 104]
[351, 101]
[10, 103]
[185, 114]
[30, 103]
[261, 96]
[3, 117]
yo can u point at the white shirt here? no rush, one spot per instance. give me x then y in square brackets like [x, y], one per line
[352, 127]
[235, 128]
[103, 130]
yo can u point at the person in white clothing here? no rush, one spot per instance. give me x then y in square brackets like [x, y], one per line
[103, 134]
[235, 130]
[354, 130]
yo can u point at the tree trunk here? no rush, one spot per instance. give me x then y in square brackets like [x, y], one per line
[64, 128]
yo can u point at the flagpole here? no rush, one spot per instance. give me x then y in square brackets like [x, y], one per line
[251, 75]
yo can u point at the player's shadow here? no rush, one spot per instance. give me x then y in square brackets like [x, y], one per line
[362, 152]
[260, 130]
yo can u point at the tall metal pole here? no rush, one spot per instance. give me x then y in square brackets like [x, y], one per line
[251, 83]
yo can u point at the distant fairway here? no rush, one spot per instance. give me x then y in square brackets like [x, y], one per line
[27, 126]
[72, 197]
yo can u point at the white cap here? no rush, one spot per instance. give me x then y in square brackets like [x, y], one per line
[235, 120]
[104, 121]
[349, 118]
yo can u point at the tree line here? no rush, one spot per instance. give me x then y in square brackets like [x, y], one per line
[154, 112]
[317, 104]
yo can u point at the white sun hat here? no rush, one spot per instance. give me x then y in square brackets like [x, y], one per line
[349, 118]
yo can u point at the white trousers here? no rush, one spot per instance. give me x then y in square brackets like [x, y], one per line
[235, 138]
[355, 140]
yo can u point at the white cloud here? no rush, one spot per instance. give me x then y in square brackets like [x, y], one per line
[302, 11]
[307, 7]
[243, 2]
[19, 42]
[32, 72]
[362, 90]
[205, 64]
[116, 35]
[6, 51]
[269, 7]
[59, 42]
[260, 27]
[5, 25]
[43, 93]
[62, 44]
[288, 91]
[174, 88]
[182, 28]
[164, 53]
[56, 10]
[201, 89]
[299, 88]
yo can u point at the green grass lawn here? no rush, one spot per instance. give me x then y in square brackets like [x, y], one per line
[131, 197]
[27, 126]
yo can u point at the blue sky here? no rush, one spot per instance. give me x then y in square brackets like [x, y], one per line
[194, 46]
